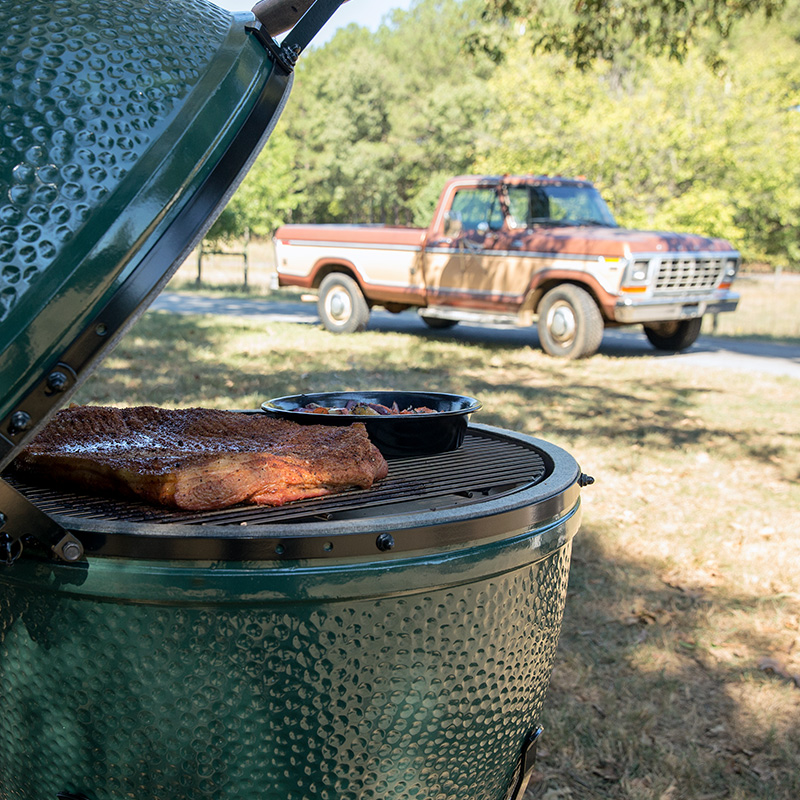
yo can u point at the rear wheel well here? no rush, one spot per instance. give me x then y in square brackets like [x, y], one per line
[327, 269]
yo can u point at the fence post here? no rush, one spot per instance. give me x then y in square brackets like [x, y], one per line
[246, 247]
[199, 277]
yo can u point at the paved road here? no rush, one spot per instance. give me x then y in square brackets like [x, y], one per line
[707, 353]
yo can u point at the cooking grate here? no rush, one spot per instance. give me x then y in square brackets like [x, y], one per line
[487, 465]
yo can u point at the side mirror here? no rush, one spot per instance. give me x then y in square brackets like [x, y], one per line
[453, 224]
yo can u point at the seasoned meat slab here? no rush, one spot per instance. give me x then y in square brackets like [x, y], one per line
[198, 458]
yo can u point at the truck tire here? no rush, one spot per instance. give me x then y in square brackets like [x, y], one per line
[341, 304]
[570, 324]
[674, 336]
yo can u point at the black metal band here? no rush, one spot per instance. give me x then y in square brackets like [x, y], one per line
[527, 761]
[309, 25]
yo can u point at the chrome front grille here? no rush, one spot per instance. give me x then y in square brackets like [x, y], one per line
[674, 275]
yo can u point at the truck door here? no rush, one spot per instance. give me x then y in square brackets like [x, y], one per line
[462, 272]
[477, 272]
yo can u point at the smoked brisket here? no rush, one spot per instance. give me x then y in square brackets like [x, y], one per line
[198, 458]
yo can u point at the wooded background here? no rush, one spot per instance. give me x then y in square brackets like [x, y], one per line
[687, 123]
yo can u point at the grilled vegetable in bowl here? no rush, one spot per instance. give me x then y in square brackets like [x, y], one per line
[398, 423]
[359, 408]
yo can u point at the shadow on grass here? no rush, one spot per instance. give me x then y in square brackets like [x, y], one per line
[625, 342]
[642, 706]
[169, 360]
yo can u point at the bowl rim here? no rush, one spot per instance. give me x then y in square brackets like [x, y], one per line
[278, 404]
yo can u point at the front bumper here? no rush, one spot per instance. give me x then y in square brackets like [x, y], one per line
[630, 310]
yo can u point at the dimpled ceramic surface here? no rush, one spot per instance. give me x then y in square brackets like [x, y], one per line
[87, 89]
[301, 683]
[114, 117]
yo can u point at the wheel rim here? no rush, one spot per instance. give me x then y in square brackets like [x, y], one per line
[338, 305]
[561, 323]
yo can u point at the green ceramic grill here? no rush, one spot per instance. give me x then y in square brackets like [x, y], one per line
[388, 644]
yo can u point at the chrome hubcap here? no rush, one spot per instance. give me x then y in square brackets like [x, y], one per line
[338, 305]
[561, 323]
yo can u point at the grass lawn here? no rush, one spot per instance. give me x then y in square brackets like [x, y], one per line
[678, 673]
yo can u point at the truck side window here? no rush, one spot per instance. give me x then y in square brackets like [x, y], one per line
[540, 205]
[476, 206]
[518, 205]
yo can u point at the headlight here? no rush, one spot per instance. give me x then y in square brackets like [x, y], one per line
[636, 276]
[729, 273]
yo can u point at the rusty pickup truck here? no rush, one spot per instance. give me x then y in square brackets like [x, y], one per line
[519, 249]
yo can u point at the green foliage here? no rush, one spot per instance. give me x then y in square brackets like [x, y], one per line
[707, 143]
[675, 146]
[265, 198]
[374, 115]
[588, 30]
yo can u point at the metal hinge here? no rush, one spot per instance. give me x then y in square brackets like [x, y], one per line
[20, 518]
[35, 407]
[285, 56]
[299, 37]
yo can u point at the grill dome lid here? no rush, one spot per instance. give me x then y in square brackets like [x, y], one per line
[124, 130]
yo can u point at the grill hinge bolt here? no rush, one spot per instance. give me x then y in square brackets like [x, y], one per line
[71, 551]
[20, 421]
[384, 542]
[56, 382]
[585, 480]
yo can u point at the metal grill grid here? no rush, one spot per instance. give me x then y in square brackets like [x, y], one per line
[682, 274]
[487, 465]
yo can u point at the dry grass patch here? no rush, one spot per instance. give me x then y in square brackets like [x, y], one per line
[676, 676]
[767, 309]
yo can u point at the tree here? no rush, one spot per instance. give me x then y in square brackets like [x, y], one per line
[589, 30]
[265, 198]
[672, 145]
[374, 115]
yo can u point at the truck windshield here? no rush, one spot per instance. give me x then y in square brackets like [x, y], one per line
[561, 204]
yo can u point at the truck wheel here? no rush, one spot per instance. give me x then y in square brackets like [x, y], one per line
[439, 324]
[341, 305]
[570, 324]
[674, 336]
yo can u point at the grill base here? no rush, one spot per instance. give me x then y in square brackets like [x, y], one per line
[420, 680]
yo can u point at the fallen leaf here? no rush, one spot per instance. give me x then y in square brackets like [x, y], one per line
[669, 793]
[608, 771]
[773, 667]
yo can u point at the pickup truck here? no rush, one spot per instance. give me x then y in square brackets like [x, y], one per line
[520, 249]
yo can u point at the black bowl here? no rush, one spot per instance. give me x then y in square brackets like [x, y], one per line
[393, 434]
